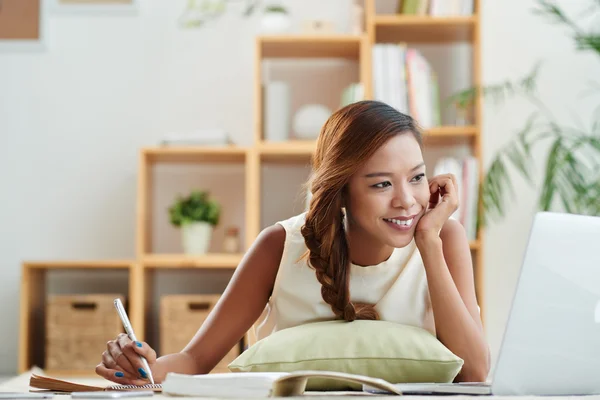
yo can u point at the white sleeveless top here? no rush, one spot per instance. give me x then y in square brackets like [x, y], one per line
[397, 287]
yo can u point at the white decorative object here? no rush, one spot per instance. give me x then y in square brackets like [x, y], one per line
[309, 120]
[196, 237]
[275, 20]
[277, 111]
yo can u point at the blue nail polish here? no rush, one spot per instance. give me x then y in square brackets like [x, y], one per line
[143, 373]
[119, 374]
[138, 344]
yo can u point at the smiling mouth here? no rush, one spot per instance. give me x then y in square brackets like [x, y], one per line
[401, 223]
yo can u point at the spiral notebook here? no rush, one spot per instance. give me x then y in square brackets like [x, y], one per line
[46, 383]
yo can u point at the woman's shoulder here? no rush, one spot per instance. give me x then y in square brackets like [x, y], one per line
[293, 226]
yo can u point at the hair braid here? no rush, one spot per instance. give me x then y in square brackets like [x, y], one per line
[329, 255]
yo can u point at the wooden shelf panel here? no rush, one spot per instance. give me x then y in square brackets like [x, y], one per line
[195, 154]
[310, 46]
[75, 264]
[450, 135]
[211, 260]
[287, 152]
[417, 29]
[303, 149]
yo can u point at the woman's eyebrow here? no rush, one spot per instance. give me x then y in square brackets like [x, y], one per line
[377, 174]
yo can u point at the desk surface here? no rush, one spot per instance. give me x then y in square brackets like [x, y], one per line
[21, 384]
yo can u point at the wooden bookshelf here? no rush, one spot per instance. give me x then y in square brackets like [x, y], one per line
[378, 29]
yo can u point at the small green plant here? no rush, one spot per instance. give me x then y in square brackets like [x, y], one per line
[196, 207]
[275, 9]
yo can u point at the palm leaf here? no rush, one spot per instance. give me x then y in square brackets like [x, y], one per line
[549, 186]
[493, 188]
[497, 92]
[588, 42]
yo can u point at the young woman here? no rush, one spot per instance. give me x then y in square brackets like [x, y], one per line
[376, 243]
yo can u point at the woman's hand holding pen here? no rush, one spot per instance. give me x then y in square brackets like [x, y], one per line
[121, 362]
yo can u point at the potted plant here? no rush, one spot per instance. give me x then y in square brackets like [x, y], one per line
[275, 19]
[196, 215]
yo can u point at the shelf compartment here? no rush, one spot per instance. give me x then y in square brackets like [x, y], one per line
[209, 260]
[310, 46]
[33, 293]
[195, 154]
[417, 29]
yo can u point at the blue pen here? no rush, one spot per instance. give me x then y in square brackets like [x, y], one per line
[129, 330]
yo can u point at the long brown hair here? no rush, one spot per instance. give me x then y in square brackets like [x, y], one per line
[348, 138]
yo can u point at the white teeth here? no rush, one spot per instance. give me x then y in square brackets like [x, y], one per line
[407, 222]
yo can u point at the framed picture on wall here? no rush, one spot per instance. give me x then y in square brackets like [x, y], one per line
[91, 7]
[22, 25]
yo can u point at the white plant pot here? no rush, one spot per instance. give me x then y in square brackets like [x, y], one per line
[275, 22]
[196, 237]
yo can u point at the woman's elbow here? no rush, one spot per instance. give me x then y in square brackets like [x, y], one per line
[475, 371]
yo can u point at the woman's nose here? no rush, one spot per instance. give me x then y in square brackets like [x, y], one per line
[403, 198]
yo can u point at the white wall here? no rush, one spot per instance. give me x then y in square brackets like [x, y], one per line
[514, 40]
[73, 116]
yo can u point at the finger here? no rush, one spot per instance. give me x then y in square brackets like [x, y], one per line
[120, 358]
[448, 191]
[108, 360]
[434, 194]
[134, 359]
[119, 376]
[144, 350]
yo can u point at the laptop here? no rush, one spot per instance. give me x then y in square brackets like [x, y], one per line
[551, 343]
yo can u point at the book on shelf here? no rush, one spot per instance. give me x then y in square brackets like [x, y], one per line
[45, 383]
[260, 384]
[436, 8]
[466, 171]
[404, 79]
[352, 93]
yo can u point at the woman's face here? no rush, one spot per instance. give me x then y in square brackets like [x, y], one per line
[388, 195]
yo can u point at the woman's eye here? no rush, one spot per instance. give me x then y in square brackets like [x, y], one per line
[419, 178]
[382, 185]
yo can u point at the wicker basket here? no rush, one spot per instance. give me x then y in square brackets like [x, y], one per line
[180, 318]
[77, 329]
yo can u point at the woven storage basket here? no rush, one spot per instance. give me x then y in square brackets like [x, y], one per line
[77, 329]
[180, 318]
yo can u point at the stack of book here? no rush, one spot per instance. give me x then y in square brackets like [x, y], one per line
[404, 79]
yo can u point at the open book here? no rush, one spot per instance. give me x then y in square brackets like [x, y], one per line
[58, 385]
[260, 384]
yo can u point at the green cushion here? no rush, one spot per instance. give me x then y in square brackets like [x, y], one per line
[394, 352]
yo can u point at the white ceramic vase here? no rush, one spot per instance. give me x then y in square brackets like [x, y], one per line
[196, 237]
[277, 111]
[275, 22]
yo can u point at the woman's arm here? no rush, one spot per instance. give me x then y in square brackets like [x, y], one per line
[239, 307]
[449, 270]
